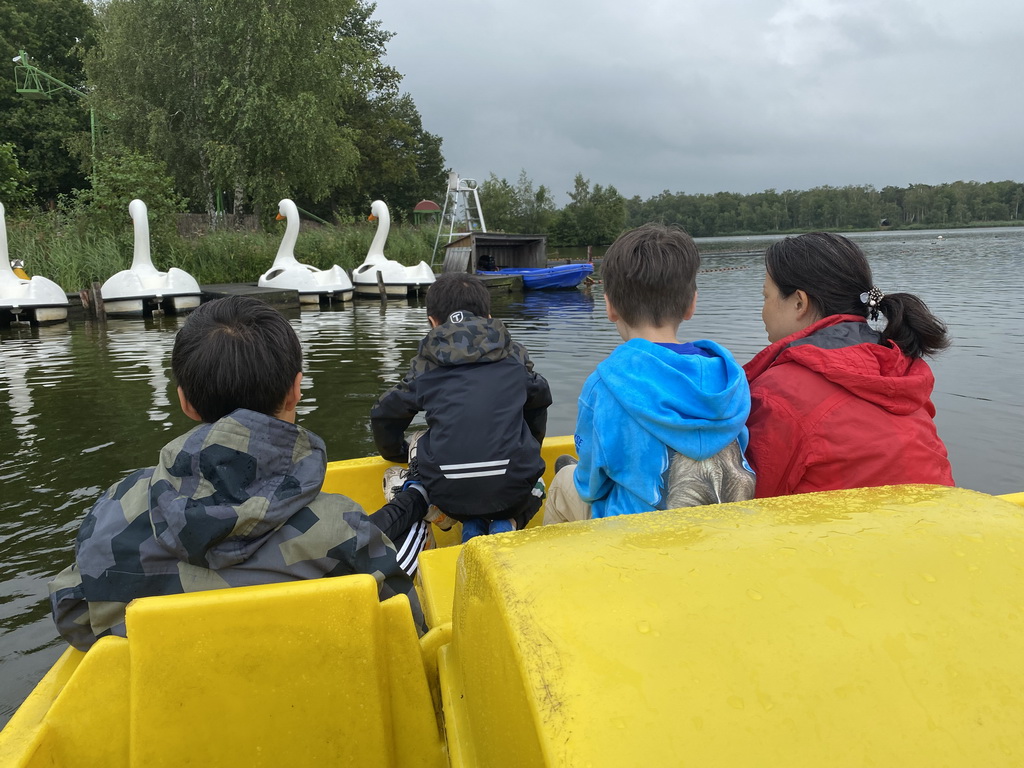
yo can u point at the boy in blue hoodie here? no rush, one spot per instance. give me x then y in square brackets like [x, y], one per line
[660, 424]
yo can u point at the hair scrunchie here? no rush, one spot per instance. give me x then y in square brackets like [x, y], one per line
[872, 298]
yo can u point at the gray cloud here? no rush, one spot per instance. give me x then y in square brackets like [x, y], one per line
[725, 96]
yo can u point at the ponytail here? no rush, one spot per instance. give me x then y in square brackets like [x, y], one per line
[911, 325]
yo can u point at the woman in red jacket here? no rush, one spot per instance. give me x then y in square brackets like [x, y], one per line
[835, 403]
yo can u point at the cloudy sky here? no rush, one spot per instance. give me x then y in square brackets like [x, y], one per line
[736, 95]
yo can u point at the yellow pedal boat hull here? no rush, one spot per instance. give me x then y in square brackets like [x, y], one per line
[879, 626]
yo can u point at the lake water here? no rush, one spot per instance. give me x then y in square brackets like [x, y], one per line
[84, 403]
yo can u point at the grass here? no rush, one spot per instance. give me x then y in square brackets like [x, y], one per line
[75, 260]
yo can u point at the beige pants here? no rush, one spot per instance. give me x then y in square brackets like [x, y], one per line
[564, 504]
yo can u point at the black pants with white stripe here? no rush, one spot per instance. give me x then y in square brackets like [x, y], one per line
[402, 521]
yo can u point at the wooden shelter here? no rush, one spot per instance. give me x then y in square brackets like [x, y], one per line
[489, 251]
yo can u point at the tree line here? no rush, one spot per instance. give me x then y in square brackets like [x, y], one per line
[959, 203]
[596, 215]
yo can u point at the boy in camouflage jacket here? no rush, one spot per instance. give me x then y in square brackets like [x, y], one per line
[237, 500]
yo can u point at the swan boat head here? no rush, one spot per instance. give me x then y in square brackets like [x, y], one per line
[379, 213]
[142, 258]
[288, 211]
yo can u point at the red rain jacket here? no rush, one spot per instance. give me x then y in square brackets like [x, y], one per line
[832, 408]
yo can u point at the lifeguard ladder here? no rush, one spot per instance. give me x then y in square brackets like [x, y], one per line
[461, 211]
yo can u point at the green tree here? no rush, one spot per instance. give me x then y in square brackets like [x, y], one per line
[399, 161]
[500, 204]
[537, 206]
[518, 207]
[565, 229]
[609, 214]
[15, 187]
[44, 132]
[596, 215]
[256, 98]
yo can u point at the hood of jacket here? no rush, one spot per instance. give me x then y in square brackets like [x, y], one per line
[220, 489]
[465, 338]
[845, 350]
[694, 404]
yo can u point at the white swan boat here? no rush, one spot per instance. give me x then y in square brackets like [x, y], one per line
[36, 299]
[313, 285]
[399, 280]
[142, 288]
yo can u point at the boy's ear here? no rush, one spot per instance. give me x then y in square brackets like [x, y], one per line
[291, 399]
[433, 322]
[693, 307]
[186, 406]
[610, 310]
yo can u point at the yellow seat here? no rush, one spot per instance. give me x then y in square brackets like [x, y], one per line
[277, 675]
[874, 627]
[78, 714]
[436, 576]
[301, 673]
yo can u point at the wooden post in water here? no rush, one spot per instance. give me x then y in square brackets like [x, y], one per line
[96, 294]
[381, 288]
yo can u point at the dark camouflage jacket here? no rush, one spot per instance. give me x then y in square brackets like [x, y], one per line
[486, 413]
[231, 504]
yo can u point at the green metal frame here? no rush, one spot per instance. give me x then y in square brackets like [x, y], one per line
[34, 83]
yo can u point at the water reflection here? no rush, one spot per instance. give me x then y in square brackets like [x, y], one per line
[136, 353]
[42, 351]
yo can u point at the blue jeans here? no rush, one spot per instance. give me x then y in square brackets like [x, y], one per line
[478, 526]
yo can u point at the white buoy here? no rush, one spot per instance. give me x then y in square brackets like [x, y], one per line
[135, 291]
[312, 284]
[39, 299]
[398, 279]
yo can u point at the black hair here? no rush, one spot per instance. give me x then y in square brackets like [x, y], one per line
[650, 274]
[236, 352]
[834, 273]
[453, 291]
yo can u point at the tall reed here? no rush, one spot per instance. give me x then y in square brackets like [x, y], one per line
[75, 259]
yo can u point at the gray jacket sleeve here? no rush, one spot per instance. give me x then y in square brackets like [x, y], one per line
[70, 608]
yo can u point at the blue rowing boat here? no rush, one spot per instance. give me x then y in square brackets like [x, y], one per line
[547, 278]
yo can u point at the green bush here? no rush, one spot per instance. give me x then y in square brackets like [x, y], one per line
[119, 179]
[15, 189]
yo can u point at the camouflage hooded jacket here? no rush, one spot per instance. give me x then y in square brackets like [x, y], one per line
[233, 503]
[486, 412]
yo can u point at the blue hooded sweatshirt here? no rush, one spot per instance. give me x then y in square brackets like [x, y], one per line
[644, 399]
